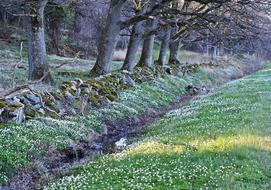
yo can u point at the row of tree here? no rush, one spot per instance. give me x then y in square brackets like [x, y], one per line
[221, 26]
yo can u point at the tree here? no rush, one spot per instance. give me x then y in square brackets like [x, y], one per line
[225, 24]
[174, 47]
[38, 67]
[55, 17]
[114, 25]
[135, 39]
[108, 37]
[33, 13]
[146, 58]
[134, 43]
[162, 60]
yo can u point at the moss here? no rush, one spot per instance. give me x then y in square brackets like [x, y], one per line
[125, 86]
[2, 104]
[111, 97]
[70, 90]
[112, 79]
[97, 85]
[47, 100]
[95, 99]
[14, 105]
[30, 111]
[218, 141]
[56, 95]
[107, 90]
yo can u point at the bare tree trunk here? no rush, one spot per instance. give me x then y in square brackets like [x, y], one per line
[53, 31]
[38, 67]
[146, 58]
[55, 39]
[208, 49]
[134, 43]
[109, 37]
[174, 48]
[222, 50]
[4, 15]
[214, 52]
[164, 46]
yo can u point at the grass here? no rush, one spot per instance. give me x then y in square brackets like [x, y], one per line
[20, 143]
[220, 141]
[10, 56]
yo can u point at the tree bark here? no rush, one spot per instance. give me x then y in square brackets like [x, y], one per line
[146, 58]
[174, 52]
[38, 67]
[214, 53]
[134, 43]
[174, 47]
[4, 15]
[108, 39]
[164, 46]
[221, 50]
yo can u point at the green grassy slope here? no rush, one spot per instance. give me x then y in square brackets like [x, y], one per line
[20, 143]
[222, 140]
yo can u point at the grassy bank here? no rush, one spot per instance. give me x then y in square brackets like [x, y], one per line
[19, 144]
[222, 140]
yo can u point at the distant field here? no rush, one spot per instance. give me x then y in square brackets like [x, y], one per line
[220, 141]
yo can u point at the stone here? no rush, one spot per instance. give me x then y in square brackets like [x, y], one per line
[11, 106]
[127, 80]
[41, 111]
[121, 144]
[126, 72]
[111, 97]
[97, 147]
[37, 106]
[30, 113]
[25, 101]
[191, 90]
[20, 115]
[85, 90]
[69, 97]
[16, 100]
[79, 81]
[167, 70]
[33, 98]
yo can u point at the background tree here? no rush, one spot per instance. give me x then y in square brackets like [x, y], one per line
[38, 66]
[33, 14]
[146, 58]
[113, 27]
[108, 37]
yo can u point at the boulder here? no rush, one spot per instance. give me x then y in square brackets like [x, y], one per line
[121, 144]
[33, 98]
[79, 81]
[191, 90]
[127, 80]
[68, 96]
